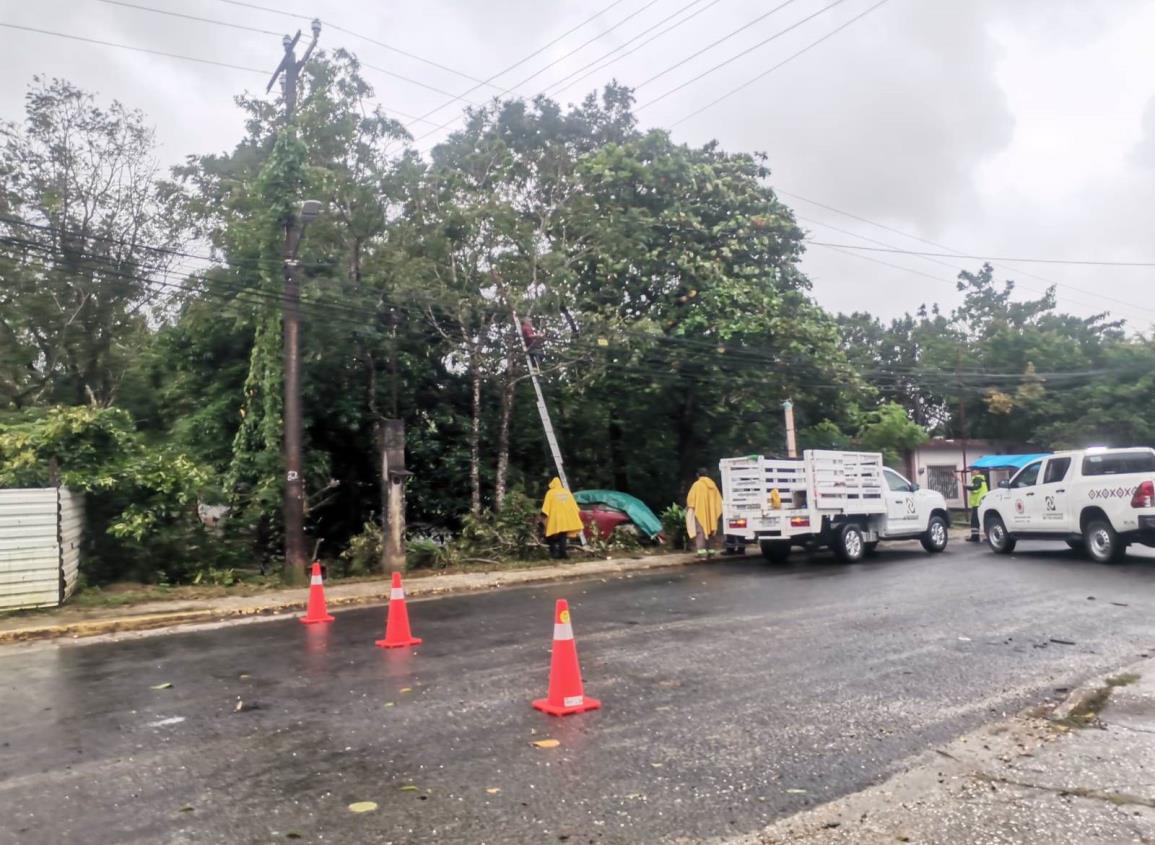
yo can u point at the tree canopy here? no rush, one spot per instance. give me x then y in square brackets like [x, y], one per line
[140, 319]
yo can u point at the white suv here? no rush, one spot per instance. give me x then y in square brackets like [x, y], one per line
[1100, 500]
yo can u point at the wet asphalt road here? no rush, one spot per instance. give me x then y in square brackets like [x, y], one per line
[733, 693]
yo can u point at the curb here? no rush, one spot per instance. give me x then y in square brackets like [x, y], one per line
[420, 588]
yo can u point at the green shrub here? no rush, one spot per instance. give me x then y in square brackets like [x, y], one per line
[364, 552]
[674, 527]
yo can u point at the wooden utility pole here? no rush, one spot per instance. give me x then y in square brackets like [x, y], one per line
[791, 445]
[293, 505]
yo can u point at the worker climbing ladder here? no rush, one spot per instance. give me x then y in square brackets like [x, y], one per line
[542, 409]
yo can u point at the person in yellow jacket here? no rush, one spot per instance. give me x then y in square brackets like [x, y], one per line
[703, 510]
[561, 517]
[977, 490]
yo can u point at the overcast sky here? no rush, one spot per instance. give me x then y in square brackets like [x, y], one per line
[1020, 128]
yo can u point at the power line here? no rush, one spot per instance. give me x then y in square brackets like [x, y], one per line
[187, 17]
[630, 52]
[516, 64]
[935, 261]
[581, 46]
[955, 252]
[627, 43]
[131, 47]
[244, 28]
[369, 39]
[419, 84]
[771, 70]
[714, 44]
[745, 52]
[1083, 262]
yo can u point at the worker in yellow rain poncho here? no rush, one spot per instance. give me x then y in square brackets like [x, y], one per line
[703, 510]
[561, 517]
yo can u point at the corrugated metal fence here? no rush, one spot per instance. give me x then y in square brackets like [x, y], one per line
[40, 532]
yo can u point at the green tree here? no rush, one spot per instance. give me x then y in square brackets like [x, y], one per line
[82, 247]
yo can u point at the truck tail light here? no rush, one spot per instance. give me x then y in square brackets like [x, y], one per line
[799, 522]
[1144, 495]
[737, 523]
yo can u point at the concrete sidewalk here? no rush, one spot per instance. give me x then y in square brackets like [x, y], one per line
[1080, 773]
[88, 622]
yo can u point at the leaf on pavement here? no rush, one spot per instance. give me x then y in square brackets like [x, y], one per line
[187, 809]
[363, 807]
[409, 788]
[547, 743]
[165, 685]
[407, 689]
[390, 704]
[796, 791]
[493, 790]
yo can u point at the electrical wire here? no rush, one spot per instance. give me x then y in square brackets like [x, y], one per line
[556, 90]
[338, 28]
[187, 17]
[780, 64]
[1085, 262]
[740, 54]
[714, 44]
[726, 360]
[102, 43]
[507, 69]
[954, 252]
[954, 267]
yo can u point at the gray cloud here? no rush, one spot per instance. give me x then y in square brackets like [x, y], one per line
[899, 118]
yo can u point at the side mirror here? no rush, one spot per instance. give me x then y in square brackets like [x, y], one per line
[914, 488]
[1004, 484]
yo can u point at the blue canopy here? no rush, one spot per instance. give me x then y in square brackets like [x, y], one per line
[1006, 461]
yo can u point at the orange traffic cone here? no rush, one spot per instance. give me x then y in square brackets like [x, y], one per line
[397, 633]
[565, 676]
[317, 611]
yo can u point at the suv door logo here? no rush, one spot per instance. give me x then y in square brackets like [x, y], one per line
[910, 508]
[1050, 503]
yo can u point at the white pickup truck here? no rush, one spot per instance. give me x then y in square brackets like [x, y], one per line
[1098, 500]
[848, 501]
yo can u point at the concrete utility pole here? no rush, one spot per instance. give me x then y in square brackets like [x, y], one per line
[791, 445]
[394, 472]
[293, 503]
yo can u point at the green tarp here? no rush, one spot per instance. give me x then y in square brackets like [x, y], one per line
[631, 506]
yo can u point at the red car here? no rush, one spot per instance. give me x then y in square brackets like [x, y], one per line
[605, 518]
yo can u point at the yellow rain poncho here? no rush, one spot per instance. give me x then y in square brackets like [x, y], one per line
[706, 503]
[560, 511]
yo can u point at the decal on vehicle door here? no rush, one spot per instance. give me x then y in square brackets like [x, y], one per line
[1051, 508]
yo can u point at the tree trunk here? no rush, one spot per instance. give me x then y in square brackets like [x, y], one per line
[687, 453]
[475, 435]
[618, 453]
[508, 394]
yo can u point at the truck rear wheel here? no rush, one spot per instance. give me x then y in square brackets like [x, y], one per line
[775, 551]
[936, 536]
[1103, 543]
[849, 547]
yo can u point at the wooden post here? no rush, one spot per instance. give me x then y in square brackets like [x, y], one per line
[791, 445]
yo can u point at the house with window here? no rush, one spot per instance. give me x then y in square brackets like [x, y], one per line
[941, 464]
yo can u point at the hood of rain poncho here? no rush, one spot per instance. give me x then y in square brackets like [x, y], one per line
[560, 510]
[706, 503]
